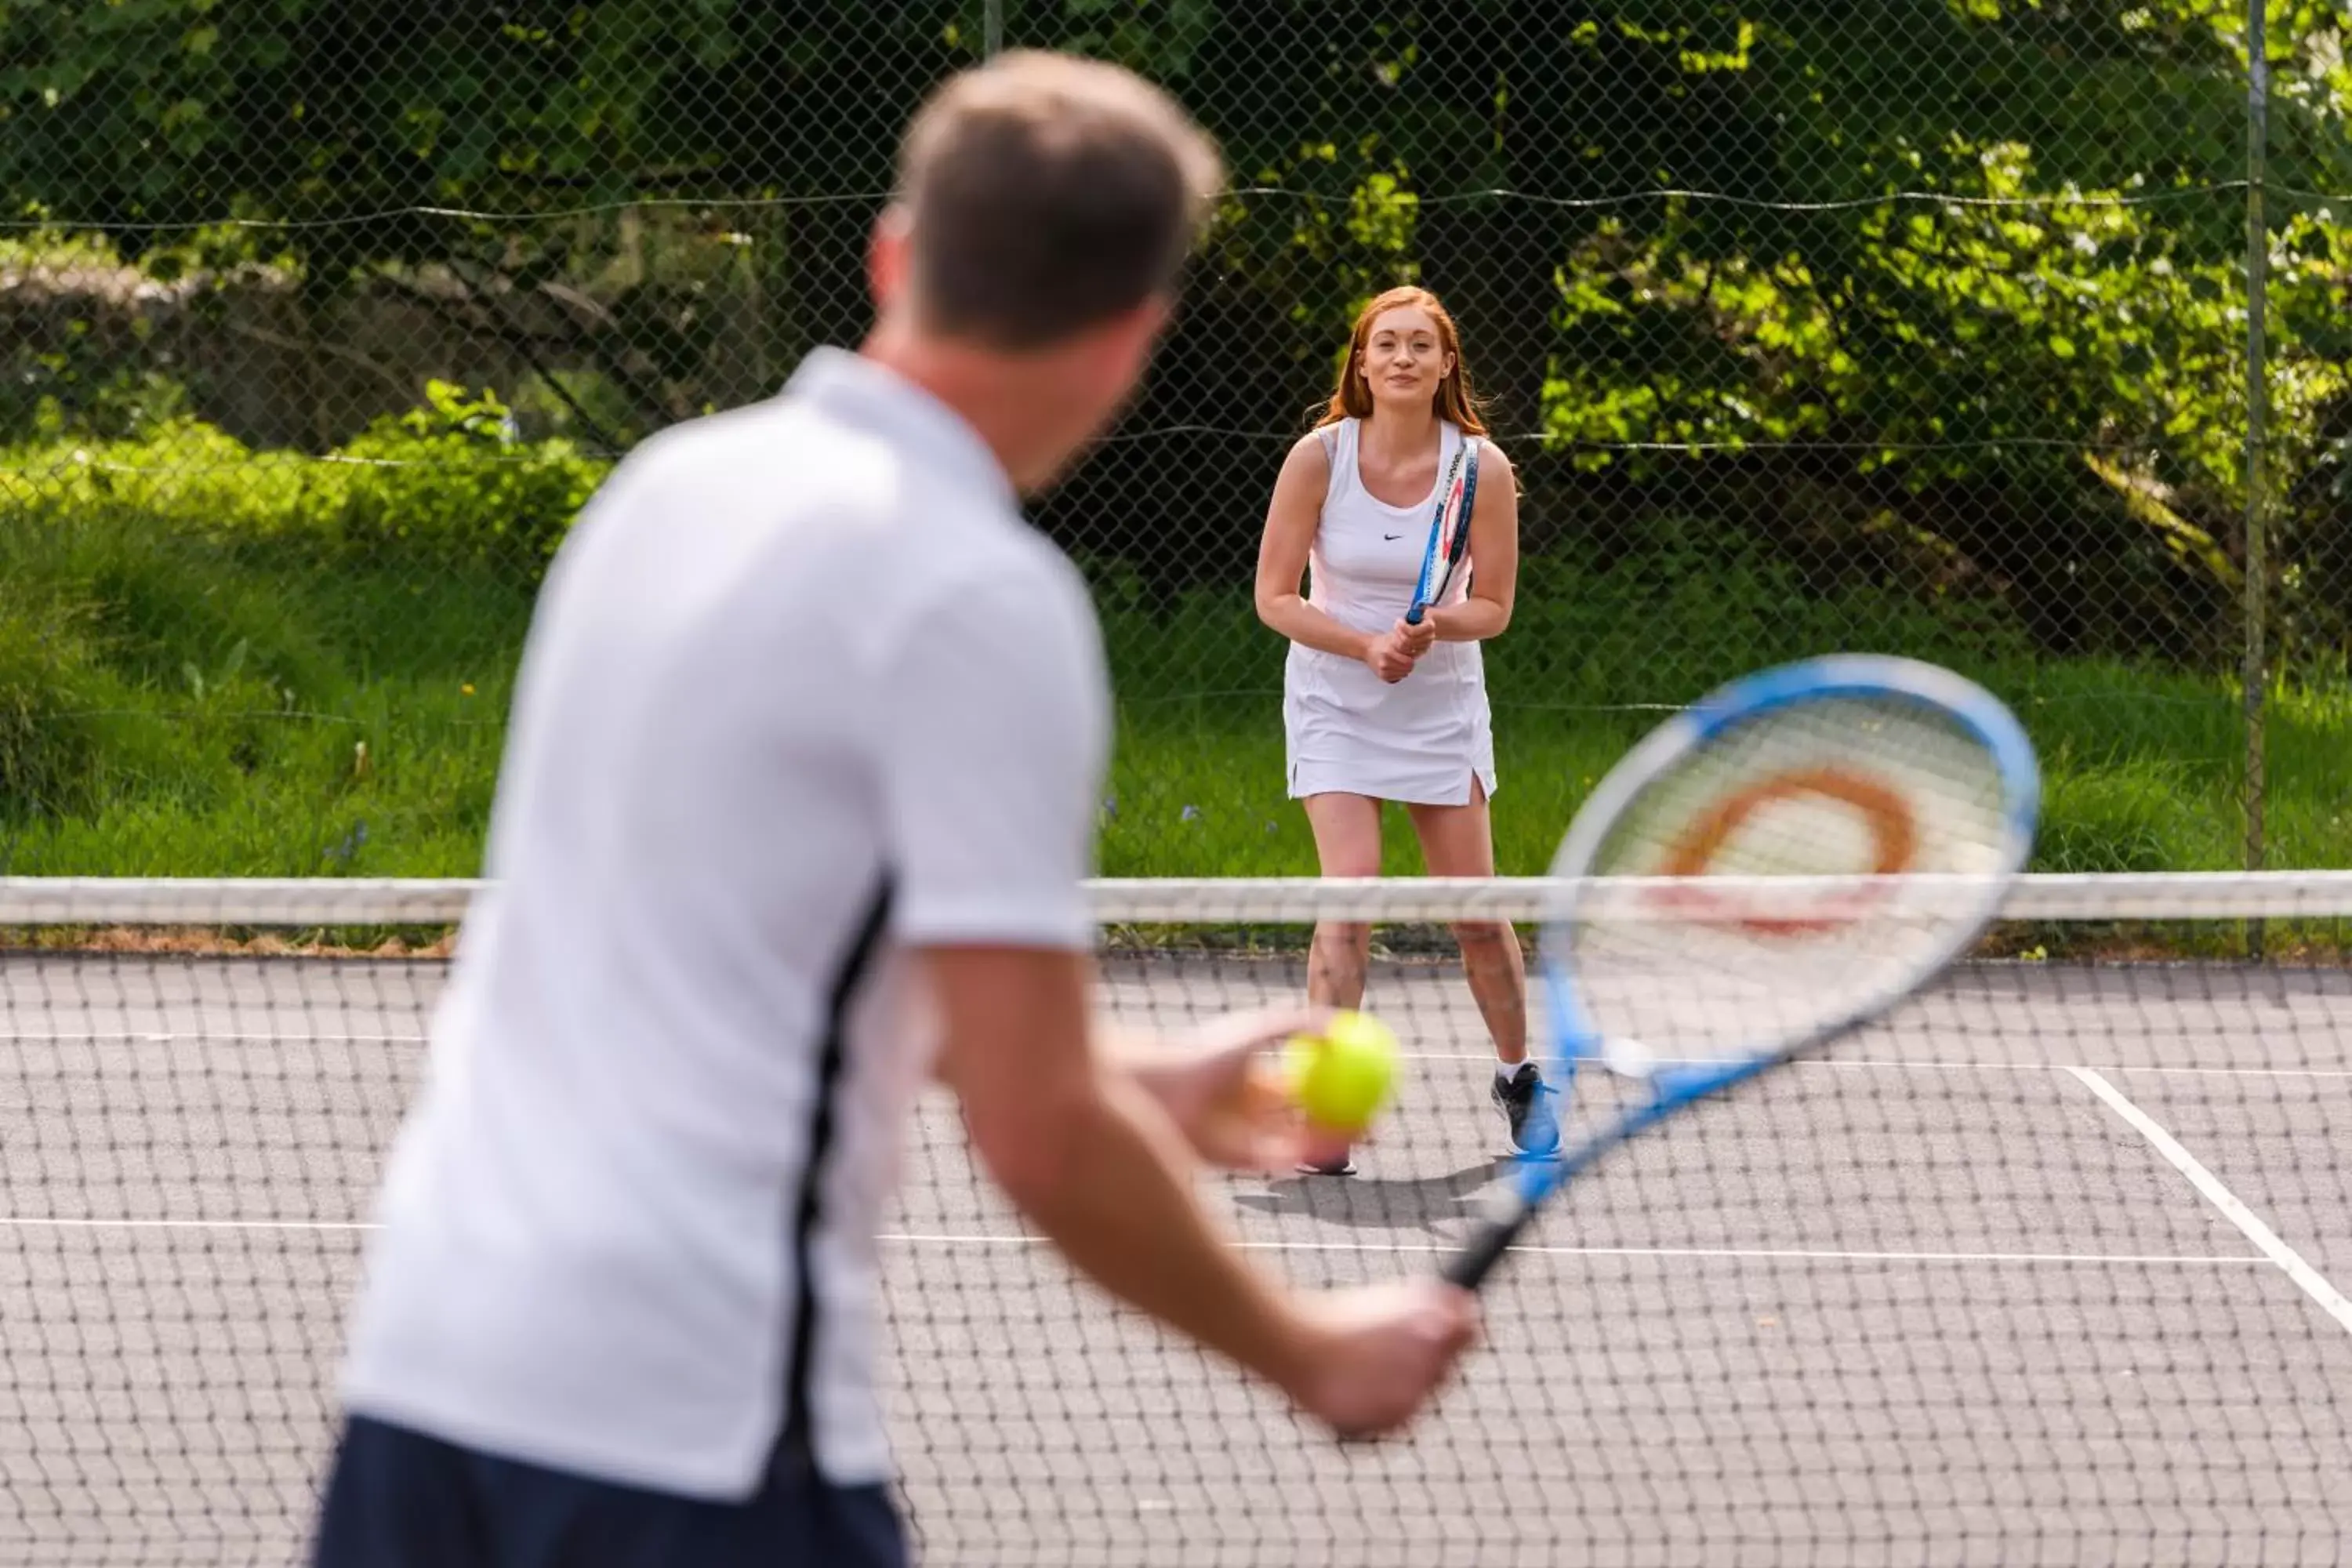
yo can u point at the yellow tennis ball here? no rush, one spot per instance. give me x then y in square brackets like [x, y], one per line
[1341, 1076]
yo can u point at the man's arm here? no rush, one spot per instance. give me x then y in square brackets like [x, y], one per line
[1088, 1155]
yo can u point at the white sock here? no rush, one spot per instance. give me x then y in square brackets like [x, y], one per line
[1508, 1072]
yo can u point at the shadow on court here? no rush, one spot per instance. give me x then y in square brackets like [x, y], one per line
[1385, 1203]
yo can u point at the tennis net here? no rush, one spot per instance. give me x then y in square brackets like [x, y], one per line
[2043, 1269]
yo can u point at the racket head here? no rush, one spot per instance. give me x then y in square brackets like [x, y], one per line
[1786, 859]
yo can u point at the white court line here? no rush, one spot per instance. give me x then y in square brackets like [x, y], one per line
[2221, 1072]
[2313, 1283]
[967, 1238]
[2068, 1067]
[1937, 1065]
[1763, 1254]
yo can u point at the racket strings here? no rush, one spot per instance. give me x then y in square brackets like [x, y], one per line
[1713, 963]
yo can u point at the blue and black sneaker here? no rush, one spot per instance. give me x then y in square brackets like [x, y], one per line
[1525, 1100]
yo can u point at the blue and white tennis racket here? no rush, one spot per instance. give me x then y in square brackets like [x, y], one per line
[1449, 530]
[1787, 860]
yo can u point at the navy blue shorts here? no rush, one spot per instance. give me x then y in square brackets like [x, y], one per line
[398, 1499]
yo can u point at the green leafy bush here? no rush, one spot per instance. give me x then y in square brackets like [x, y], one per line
[449, 484]
[440, 488]
[220, 661]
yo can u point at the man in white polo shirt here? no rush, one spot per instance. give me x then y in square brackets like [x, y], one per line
[798, 801]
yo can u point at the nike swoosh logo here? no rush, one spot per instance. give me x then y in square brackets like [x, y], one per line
[1392, 536]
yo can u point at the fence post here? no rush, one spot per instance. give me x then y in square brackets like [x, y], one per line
[2254, 678]
[991, 28]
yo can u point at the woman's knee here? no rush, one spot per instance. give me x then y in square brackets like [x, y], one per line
[1351, 861]
[1350, 853]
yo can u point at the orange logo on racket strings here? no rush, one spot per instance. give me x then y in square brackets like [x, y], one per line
[1894, 831]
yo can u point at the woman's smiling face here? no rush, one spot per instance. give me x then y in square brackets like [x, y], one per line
[1404, 359]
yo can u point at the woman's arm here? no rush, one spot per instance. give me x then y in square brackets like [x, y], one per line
[1494, 556]
[1291, 519]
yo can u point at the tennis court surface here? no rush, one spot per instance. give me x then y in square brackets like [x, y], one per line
[2045, 1270]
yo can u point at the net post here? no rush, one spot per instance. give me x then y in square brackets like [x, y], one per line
[2252, 677]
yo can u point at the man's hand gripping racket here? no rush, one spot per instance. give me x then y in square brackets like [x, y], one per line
[1796, 855]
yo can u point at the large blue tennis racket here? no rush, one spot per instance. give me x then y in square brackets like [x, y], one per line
[1765, 873]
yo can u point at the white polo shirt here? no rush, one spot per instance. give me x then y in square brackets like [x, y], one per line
[803, 690]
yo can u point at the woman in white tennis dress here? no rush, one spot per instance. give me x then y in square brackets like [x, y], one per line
[1373, 709]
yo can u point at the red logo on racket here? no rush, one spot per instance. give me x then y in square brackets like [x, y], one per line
[1894, 840]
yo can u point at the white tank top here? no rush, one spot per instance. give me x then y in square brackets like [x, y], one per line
[1366, 559]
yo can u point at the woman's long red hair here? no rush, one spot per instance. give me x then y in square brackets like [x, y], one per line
[1453, 401]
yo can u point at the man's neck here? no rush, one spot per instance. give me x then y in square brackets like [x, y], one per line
[974, 387]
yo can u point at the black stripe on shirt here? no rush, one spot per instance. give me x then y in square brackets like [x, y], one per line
[832, 1051]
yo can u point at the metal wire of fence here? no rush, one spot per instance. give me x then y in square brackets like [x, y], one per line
[2010, 334]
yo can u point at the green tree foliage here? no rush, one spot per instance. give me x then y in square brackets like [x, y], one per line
[1947, 292]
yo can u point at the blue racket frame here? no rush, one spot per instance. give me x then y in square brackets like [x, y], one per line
[1429, 590]
[1574, 1038]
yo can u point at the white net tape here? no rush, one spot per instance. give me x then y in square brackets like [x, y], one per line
[2121, 896]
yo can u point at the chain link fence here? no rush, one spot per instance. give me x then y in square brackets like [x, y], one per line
[1924, 326]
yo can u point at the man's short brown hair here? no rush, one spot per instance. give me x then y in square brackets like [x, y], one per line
[1049, 195]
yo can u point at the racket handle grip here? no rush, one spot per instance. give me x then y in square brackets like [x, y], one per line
[1469, 1267]
[1412, 617]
